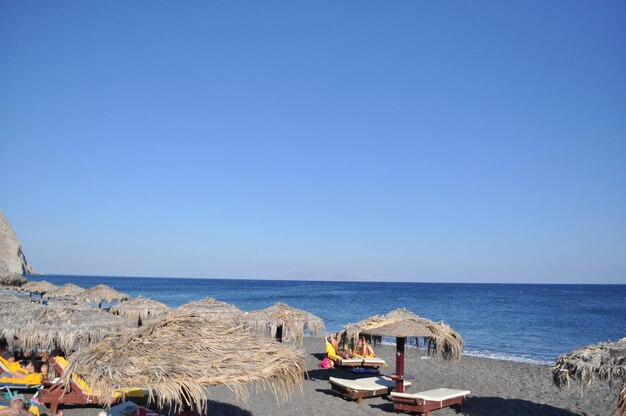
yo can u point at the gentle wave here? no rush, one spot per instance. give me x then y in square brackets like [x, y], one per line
[494, 355]
[497, 355]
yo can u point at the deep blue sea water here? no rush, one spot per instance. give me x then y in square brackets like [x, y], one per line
[518, 322]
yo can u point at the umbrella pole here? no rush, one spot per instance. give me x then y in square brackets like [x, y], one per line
[279, 333]
[187, 411]
[400, 365]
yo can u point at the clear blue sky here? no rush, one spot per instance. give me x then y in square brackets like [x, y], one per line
[408, 140]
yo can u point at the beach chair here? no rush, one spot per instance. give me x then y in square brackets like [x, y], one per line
[15, 385]
[360, 362]
[425, 401]
[6, 366]
[78, 391]
[362, 388]
[352, 362]
[30, 382]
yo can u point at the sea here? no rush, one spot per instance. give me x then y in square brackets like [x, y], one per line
[532, 323]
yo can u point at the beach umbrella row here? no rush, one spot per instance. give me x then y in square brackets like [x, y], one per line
[278, 321]
[604, 362]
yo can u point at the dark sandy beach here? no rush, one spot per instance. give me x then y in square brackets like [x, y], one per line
[497, 388]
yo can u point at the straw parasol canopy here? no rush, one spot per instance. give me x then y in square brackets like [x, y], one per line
[101, 293]
[39, 287]
[439, 337]
[282, 321]
[210, 308]
[140, 309]
[605, 361]
[11, 279]
[67, 291]
[60, 327]
[15, 313]
[178, 357]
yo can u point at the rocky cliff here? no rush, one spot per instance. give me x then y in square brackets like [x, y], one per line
[12, 258]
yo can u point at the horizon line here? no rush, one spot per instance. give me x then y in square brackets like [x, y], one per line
[324, 280]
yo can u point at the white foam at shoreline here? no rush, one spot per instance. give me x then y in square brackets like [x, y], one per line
[497, 355]
[494, 355]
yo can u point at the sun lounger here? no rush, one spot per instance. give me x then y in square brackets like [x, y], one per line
[15, 386]
[361, 388]
[425, 401]
[7, 367]
[360, 362]
[352, 362]
[31, 381]
[78, 391]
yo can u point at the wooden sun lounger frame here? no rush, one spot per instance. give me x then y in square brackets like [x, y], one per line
[358, 362]
[425, 406]
[57, 393]
[359, 395]
[20, 387]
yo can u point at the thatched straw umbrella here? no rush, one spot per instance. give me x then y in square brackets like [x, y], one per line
[67, 291]
[101, 293]
[15, 315]
[64, 328]
[11, 279]
[439, 337]
[140, 309]
[40, 287]
[210, 308]
[606, 361]
[281, 321]
[178, 357]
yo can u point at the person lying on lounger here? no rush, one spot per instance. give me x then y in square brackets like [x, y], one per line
[363, 349]
[33, 373]
[333, 340]
[18, 407]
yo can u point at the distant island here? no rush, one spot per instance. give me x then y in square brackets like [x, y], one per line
[323, 276]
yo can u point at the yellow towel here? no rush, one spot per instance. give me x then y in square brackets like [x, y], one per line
[77, 379]
[330, 351]
[12, 367]
[127, 392]
[32, 378]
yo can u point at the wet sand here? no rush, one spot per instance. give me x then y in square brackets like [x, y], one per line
[498, 388]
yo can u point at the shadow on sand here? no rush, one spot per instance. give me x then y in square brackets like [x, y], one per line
[497, 406]
[326, 373]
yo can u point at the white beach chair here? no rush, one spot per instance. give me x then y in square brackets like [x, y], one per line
[361, 388]
[425, 401]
